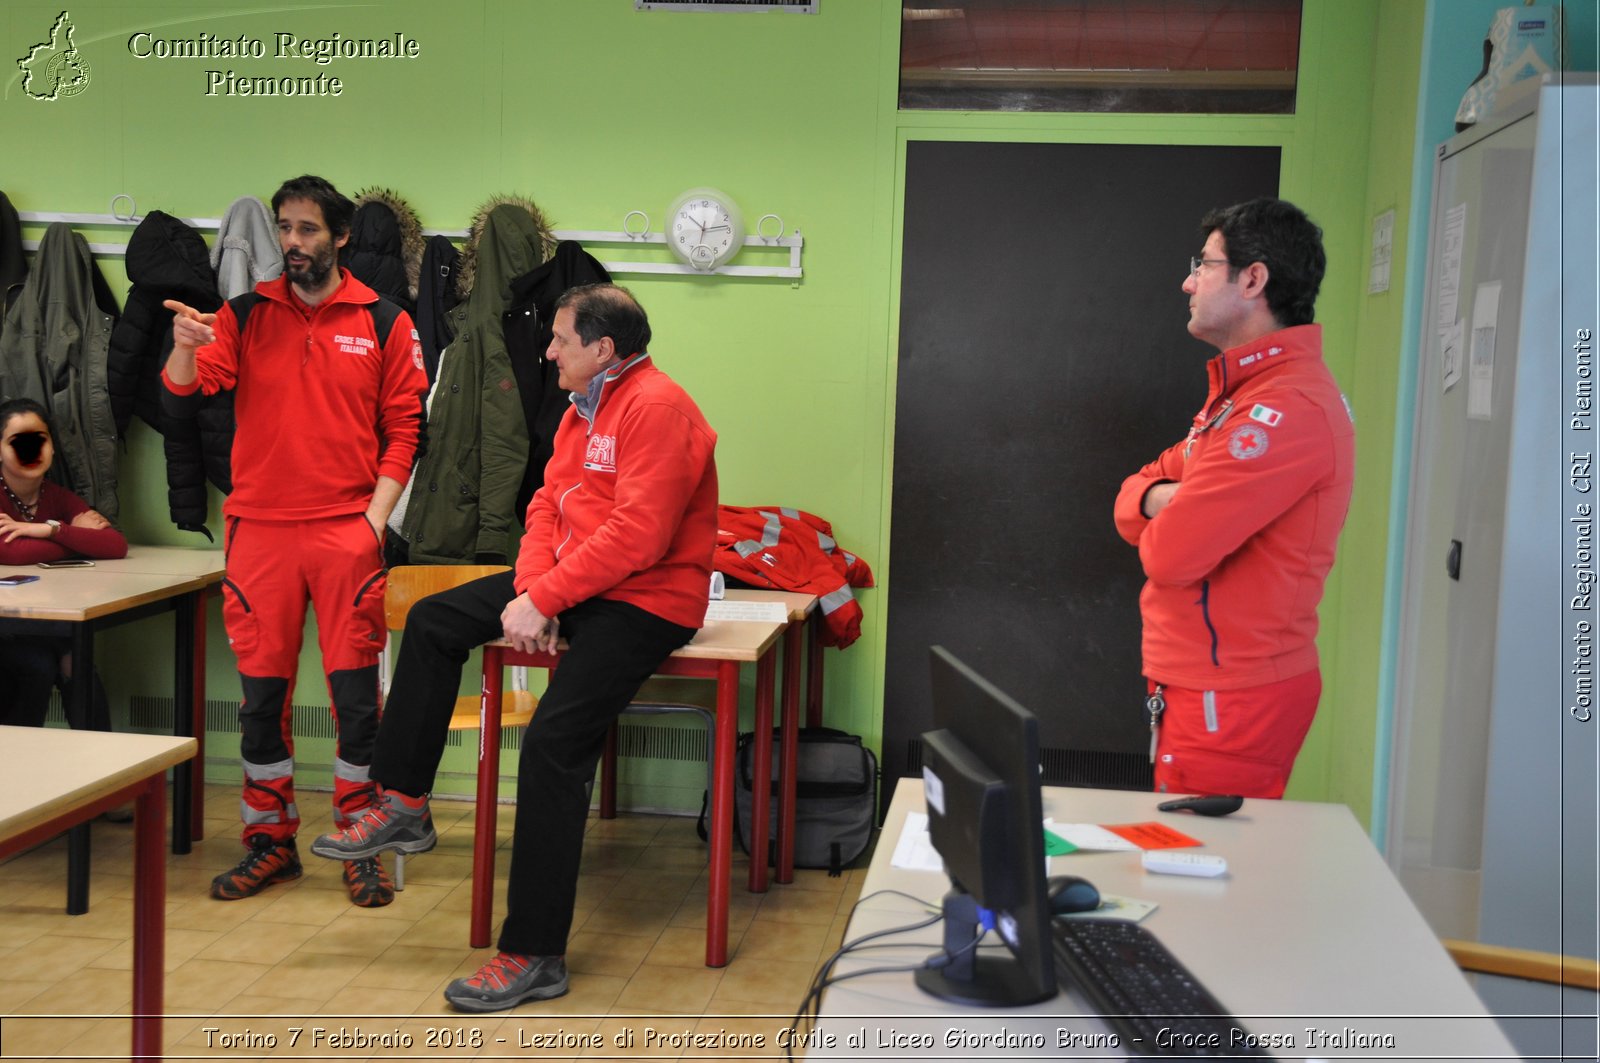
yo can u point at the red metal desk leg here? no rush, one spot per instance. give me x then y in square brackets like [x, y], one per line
[197, 791]
[721, 839]
[789, 750]
[149, 916]
[814, 673]
[488, 808]
[761, 773]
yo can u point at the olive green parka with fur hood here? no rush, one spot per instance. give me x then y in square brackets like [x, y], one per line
[460, 507]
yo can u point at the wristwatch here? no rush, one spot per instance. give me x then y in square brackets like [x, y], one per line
[55, 527]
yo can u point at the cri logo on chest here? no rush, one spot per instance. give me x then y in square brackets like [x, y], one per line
[602, 454]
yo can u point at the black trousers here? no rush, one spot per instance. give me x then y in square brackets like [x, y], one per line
[29, 666]
[612, 648]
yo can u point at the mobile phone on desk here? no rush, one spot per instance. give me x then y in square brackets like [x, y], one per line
[14, 581]
[68, 562]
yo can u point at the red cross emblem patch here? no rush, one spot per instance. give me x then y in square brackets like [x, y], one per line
[1248, 441]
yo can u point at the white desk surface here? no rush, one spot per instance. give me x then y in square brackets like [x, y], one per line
[1308, 929]
[147, 574]
[50, 770]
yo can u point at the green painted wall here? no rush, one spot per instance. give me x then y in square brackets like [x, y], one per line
[593, 109]
[1349, 733]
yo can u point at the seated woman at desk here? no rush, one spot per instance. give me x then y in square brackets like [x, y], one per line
[41, 521]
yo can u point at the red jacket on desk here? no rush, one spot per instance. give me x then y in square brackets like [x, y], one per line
[792, 550]
[1237, 560]
[611, 510]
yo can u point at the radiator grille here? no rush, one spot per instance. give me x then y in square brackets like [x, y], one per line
[1074, 767]
[639, 740]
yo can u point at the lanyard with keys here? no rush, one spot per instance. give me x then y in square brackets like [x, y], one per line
[1155, 704]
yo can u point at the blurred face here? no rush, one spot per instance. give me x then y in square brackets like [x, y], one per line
[576, 363]
[1216, 305]
[310, 250]
[26, 450]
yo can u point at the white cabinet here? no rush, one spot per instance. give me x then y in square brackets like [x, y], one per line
[1492, 802]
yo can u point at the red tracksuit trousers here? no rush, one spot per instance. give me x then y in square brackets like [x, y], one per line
[273, 569]
[1234, 741]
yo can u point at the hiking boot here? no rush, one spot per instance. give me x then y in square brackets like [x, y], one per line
[267, 862]
[389, 824]
[508, 980]
[368, 883]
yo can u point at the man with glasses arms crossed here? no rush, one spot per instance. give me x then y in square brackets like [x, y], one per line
[1236, 524]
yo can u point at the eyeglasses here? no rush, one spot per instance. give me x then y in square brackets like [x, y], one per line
[1196, 263]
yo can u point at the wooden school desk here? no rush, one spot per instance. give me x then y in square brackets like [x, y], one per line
[76, 603]
[55, 778]
[799, 605]
[717, 653]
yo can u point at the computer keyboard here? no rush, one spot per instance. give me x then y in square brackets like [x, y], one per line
[1149, 998]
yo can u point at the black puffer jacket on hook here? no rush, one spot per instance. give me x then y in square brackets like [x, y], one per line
[385, 247]
[167, 259]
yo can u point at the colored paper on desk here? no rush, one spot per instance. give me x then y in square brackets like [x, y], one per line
[1056, 845]
[1152, 835]
[1089, 836]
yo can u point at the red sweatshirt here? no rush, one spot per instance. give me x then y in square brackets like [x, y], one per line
[1237, 560]
[628, 510]
[57, 503]
[322, 412]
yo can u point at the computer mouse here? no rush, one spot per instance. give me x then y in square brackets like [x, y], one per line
[1069, 893]
[1215, 805]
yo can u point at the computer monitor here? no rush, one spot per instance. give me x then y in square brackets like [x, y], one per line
[986, 818]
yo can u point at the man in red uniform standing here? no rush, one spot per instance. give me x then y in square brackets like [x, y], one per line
[1236, 525]
[328, 383]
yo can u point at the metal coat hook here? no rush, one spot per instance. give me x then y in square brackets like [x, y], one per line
[628, 230]
[132, 206]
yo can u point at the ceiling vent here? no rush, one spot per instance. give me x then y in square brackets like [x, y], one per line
[804, 7]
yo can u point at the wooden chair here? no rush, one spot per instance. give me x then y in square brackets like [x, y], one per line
[409, 584]
[1528, 964]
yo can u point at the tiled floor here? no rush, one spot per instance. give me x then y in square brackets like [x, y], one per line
[299, 955]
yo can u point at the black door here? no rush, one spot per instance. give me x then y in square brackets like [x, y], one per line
[1043, 358]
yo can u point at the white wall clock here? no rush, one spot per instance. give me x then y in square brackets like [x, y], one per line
[704, 228]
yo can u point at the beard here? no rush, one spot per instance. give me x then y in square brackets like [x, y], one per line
[312, 274]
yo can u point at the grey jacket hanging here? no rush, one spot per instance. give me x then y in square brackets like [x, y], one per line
[53, 350]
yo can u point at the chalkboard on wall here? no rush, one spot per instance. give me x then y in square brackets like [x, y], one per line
[1043, 358]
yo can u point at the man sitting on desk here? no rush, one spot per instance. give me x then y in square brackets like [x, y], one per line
[1236, 524]
[616, 560]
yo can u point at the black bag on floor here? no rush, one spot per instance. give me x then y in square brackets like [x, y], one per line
[836, 798]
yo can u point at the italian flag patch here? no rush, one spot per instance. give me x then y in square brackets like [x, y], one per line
[1265, 414]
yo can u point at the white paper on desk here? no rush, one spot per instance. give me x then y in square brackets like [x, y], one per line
[914, 851]
[1089, 836]
[1128, 909]
[772, 612]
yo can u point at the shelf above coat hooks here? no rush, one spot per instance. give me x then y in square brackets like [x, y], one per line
[618, 238]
